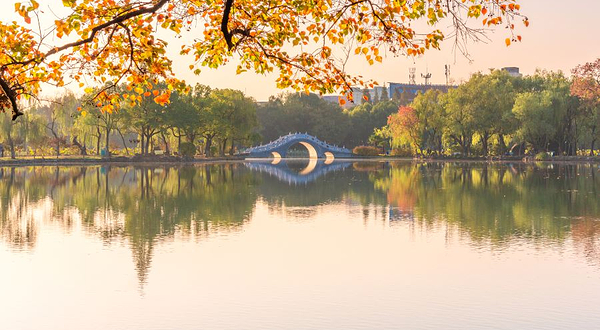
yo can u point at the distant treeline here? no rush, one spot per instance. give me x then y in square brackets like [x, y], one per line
[204, 121]
[491, 114]
[498, 114]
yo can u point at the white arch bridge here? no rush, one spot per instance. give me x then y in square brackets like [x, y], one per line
[279, 148]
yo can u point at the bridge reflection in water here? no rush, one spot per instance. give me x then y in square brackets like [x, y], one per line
[284, 170]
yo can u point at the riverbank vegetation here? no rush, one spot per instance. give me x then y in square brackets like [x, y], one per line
[497, 114]
[211, 121]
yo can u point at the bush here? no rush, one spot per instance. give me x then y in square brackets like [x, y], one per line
[401, 152]
[542, 156]
[187, 149]
[366, 151]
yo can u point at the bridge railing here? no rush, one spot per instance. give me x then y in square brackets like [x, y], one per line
[290, 137]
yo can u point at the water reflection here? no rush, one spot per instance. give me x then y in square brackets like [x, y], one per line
[297, 172]
[143, 206]
[498, 202]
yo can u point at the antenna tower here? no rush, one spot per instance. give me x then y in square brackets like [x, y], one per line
[447, 72]
[412, 75]
[426, 76]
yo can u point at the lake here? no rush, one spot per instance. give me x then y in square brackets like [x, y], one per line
[301, 245]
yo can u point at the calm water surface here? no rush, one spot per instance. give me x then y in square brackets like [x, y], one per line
[301, 246]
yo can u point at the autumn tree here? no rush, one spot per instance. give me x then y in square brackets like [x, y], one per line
[106, 42]
[406, 129]
[586, 86]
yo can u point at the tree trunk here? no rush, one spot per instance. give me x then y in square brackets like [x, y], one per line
[142, 142]
[592, 147]
[222, 149]
[98, 140]
[123, 140]
[232, 149]
[164, 138]
[501, 144]
[82, 150]
[485, 136]
[207, 146]
[11, 144]
[107, 141]
[148, 141]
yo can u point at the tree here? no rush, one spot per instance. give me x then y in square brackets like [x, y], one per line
[405, 128]
[381, 137]
[59, 115]
[146, 117]
[366, 98]
[586, 86]
[429, 109]
[185, 112]
[231, 117]
[299, 112]
[534, 112]
[108, 41]
[489, 98]
[459, 113]
[376, 97]
[384, 95]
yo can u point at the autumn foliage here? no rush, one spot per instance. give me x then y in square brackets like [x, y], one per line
[586, 82]
[404, 126]
[107, 42]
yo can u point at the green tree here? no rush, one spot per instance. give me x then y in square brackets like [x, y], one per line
[461, 123]
[384, 94]
[303, 113]
[536, 119]
[429, 109]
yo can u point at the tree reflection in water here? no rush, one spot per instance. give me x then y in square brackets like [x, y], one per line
[491, 204]
[138, 204]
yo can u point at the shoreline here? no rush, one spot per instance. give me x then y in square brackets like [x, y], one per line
[172, 160]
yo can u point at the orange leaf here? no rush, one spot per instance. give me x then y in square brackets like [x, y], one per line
[507, 41]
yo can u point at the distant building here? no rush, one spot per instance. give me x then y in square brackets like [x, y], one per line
[408, 92]
[399, 91]
[512, 70]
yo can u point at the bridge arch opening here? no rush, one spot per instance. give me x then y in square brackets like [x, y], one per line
[312, 152]
[329, 157]
[312, 163]
[276, 157]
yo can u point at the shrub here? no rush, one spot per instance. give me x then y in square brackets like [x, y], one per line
[187, 149]
[366, 151]
[542, 156]
[401, 152]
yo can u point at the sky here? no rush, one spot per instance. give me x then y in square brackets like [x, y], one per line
[561, 35]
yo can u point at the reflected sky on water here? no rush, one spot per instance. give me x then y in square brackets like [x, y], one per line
[295, 245]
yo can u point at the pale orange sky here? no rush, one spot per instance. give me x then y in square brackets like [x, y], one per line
[561, 35]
